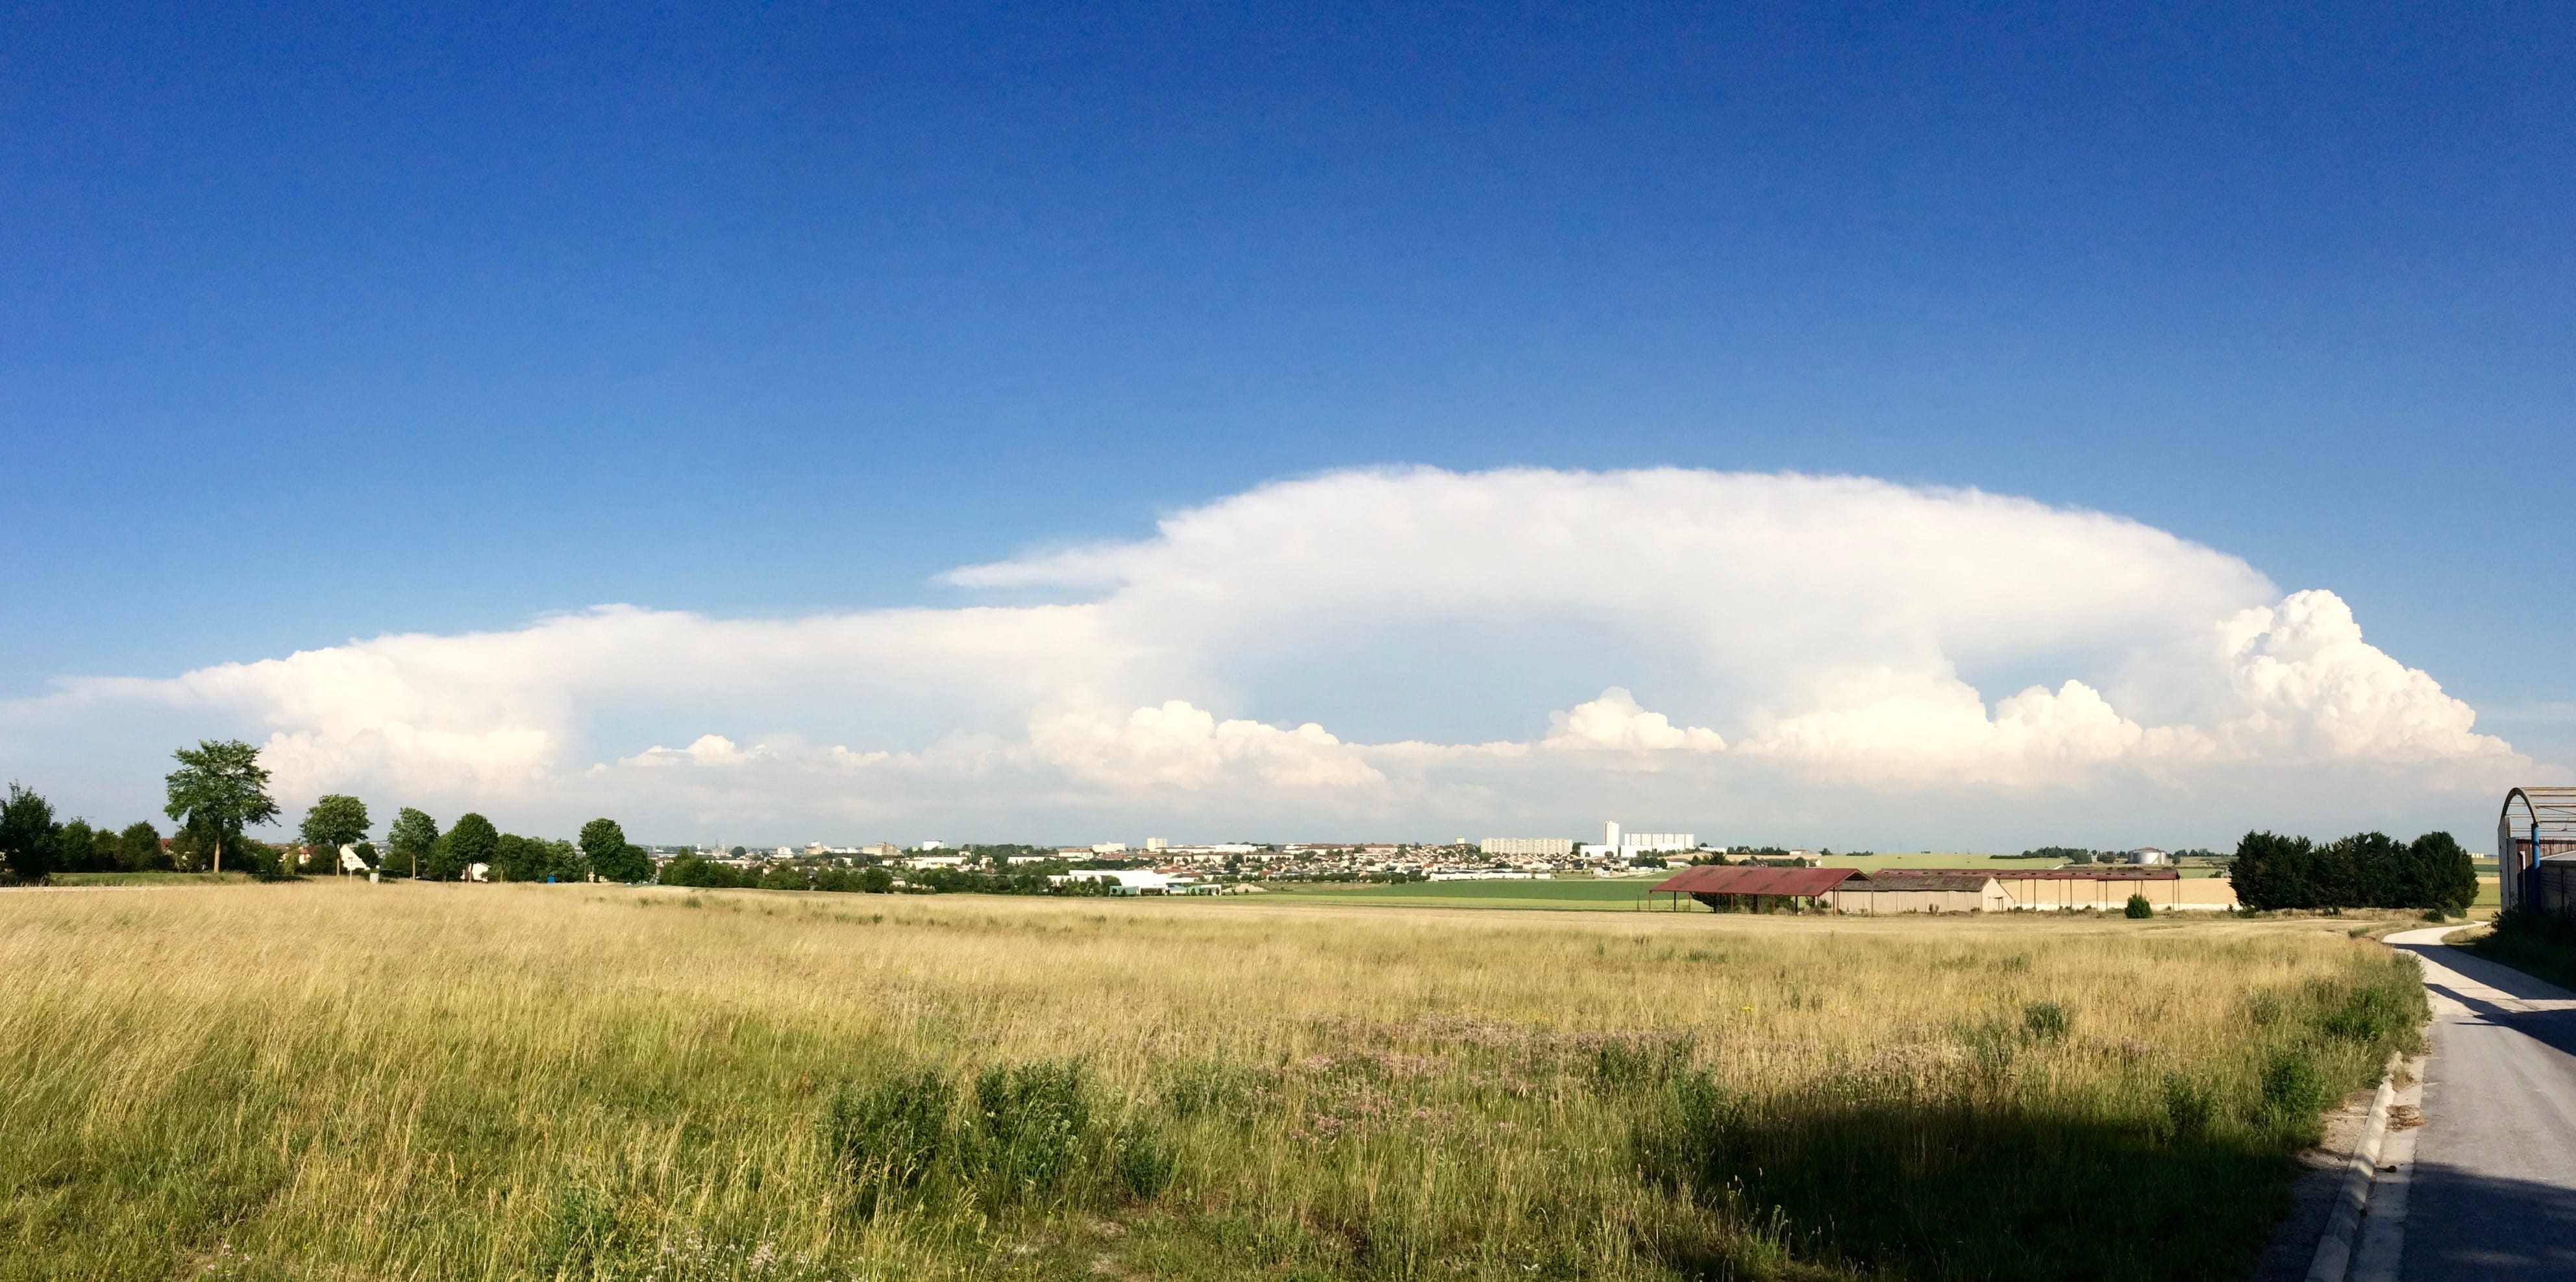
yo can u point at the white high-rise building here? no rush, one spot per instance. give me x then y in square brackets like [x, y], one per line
[1526, 846]
[1630, 844]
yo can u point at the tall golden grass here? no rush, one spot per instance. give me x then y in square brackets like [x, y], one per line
[419, 1081]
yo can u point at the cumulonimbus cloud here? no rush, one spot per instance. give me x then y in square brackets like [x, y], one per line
[1803, 632]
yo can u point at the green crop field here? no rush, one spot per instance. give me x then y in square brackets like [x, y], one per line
[346, 1081]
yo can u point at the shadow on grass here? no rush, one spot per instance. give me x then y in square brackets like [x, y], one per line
[1978, 1190]
[2542, 947]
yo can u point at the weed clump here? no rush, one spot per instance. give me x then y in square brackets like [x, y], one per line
[581, 1233]
[2190, 1107]
[1028, 1127]
[2047, 1021]
[2294, 1088]
[1641, 1059]
[1021, 1134]
[2371, 1015]
[1206, 1088]
[892, 1132]
[1145, 1163]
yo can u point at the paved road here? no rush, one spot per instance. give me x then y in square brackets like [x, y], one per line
[2492, 1190]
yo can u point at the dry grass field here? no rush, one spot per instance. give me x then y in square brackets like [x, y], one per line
[424, 1082]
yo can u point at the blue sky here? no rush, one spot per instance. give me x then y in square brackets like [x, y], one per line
[319, 325]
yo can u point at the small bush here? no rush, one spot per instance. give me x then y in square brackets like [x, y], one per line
[2047, 1021]
[2139, 907]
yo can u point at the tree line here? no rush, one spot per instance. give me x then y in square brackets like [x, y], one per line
[1024, 876]
[2365, 870]
[220, 789]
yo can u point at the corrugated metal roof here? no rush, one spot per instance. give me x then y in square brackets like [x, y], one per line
[1741, 880]
[1922, 879]
[2098, 872]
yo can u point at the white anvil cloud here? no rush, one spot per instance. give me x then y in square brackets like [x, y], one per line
[1797, 637]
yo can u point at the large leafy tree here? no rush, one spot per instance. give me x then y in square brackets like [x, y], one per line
[219, 789]
[335, 820]
[27, 836]
[604, 844]
[472, 841]
[411, 839]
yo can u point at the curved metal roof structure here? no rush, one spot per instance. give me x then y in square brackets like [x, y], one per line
[2536, 824]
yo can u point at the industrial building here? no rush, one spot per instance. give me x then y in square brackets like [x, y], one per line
[1930, 891]
[1628, 845]
[1528, 847]
[1842, 890]
[2536, 851]
[1743, 886]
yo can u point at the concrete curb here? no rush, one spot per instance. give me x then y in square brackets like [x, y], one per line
[2383, 1225]
[2334, 1251]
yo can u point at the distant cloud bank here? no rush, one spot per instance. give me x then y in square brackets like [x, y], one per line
[1820, 658]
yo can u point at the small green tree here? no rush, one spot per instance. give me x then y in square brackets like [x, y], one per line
[634, 866]
[27, 836]
[2139, 907]
[139, 847]
[72, 846]
[335, 820]
[219, 789]
[410, 841]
